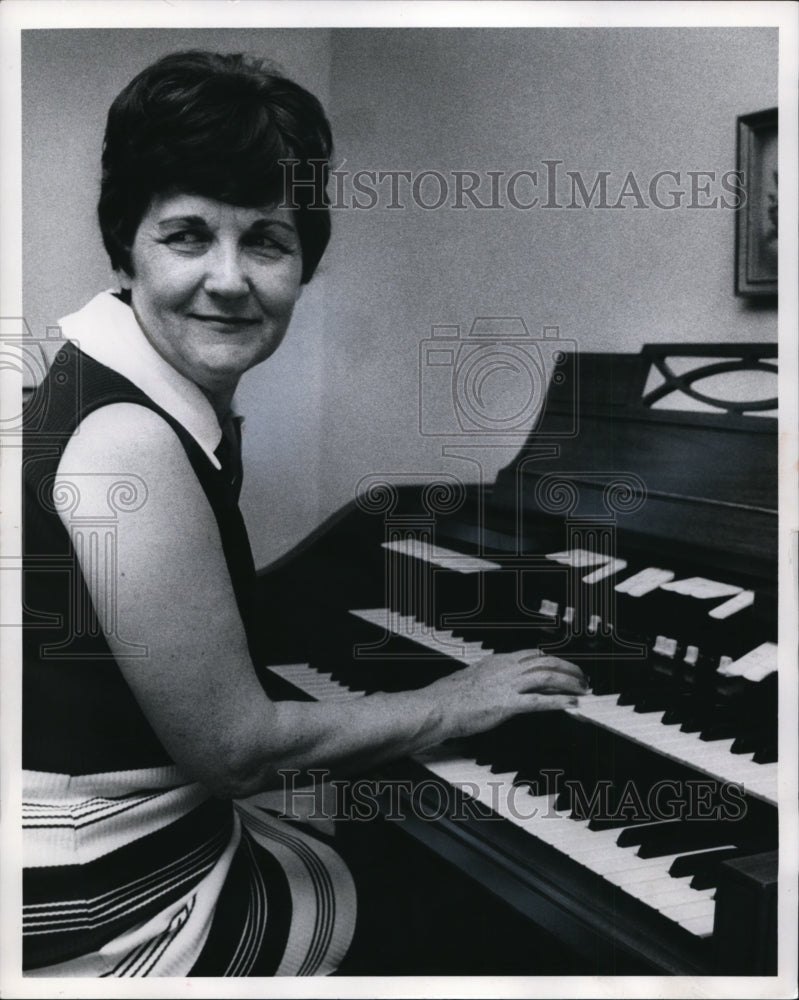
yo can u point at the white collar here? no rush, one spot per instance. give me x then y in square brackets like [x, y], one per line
[107, 330]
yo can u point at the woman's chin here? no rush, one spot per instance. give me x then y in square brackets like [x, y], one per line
[223, 374]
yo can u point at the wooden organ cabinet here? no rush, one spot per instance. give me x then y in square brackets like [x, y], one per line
[640, 542]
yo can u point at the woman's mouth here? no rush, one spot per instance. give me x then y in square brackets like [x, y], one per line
[220, 319]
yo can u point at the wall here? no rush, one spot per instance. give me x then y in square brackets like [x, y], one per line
[618, 100]
[340, 401]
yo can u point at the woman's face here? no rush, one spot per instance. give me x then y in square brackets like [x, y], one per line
[214, 285]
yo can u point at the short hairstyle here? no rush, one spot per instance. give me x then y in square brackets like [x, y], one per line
[216, 125]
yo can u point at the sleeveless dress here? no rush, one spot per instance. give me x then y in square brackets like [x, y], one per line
[131, 868]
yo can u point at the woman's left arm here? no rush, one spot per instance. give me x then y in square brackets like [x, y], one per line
[168, 588]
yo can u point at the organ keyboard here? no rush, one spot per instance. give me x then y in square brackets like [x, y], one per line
[641, 826]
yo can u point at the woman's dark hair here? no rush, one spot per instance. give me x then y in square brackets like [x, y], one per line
[215, 125]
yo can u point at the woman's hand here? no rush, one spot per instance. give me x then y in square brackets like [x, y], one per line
[172, 594]
[503, 685]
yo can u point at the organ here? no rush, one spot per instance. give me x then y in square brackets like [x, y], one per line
[639, 540]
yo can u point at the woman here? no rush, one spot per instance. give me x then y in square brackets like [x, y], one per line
[143, 715]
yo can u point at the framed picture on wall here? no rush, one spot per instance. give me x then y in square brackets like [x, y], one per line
[756, 227]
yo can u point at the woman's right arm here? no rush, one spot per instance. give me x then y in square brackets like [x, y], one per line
[168, 588]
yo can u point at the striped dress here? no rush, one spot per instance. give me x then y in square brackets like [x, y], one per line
[130, 868]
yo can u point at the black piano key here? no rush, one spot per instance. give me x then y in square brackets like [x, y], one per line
[612, 783]
[657, 699]
[707, 879]
[753, 739]
[397, 674]
[541, 747]
[683, 834]
[723, 729]
[766, 754]
[632, 837]
[510, 640]
[617, 821]
[676, 836]
[702, 862]
[606, 678]
[745, 708]
[387, 663]
[489, 607]
[685, 707]
[630, 696]
[699, 713]
[708, 876]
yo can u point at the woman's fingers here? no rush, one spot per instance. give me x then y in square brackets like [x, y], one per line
[550, 702]
[553, 681]
[555, 669]
[540, 669]
[545, 662]
[505, 684]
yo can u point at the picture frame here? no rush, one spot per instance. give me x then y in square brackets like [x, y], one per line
[756, 219]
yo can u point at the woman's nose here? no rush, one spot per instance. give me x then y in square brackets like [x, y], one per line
[225, 274]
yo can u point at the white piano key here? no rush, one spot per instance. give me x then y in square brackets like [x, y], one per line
[666, 897]
[646, 879]
[644, 581]
[755, 665]
[534, 811]
[643, 870]
[578, 841]
[623, 867]
[665, 646]
[456, 770]
[497, 792]
[598, 839]
[701, 588]
[550, 831]
[439, 556]
[700, 926]
[580, 558]
[317, 685]
[405, 626]
[743, 600]
[711, 757]
[598, 701]
[677, 891]
[642, 727]
[377, 616]
[690, 908]
[613, 567]
[701, 911]
[612, 858]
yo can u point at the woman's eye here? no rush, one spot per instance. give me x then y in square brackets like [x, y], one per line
[268, 246]
[187, 239]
